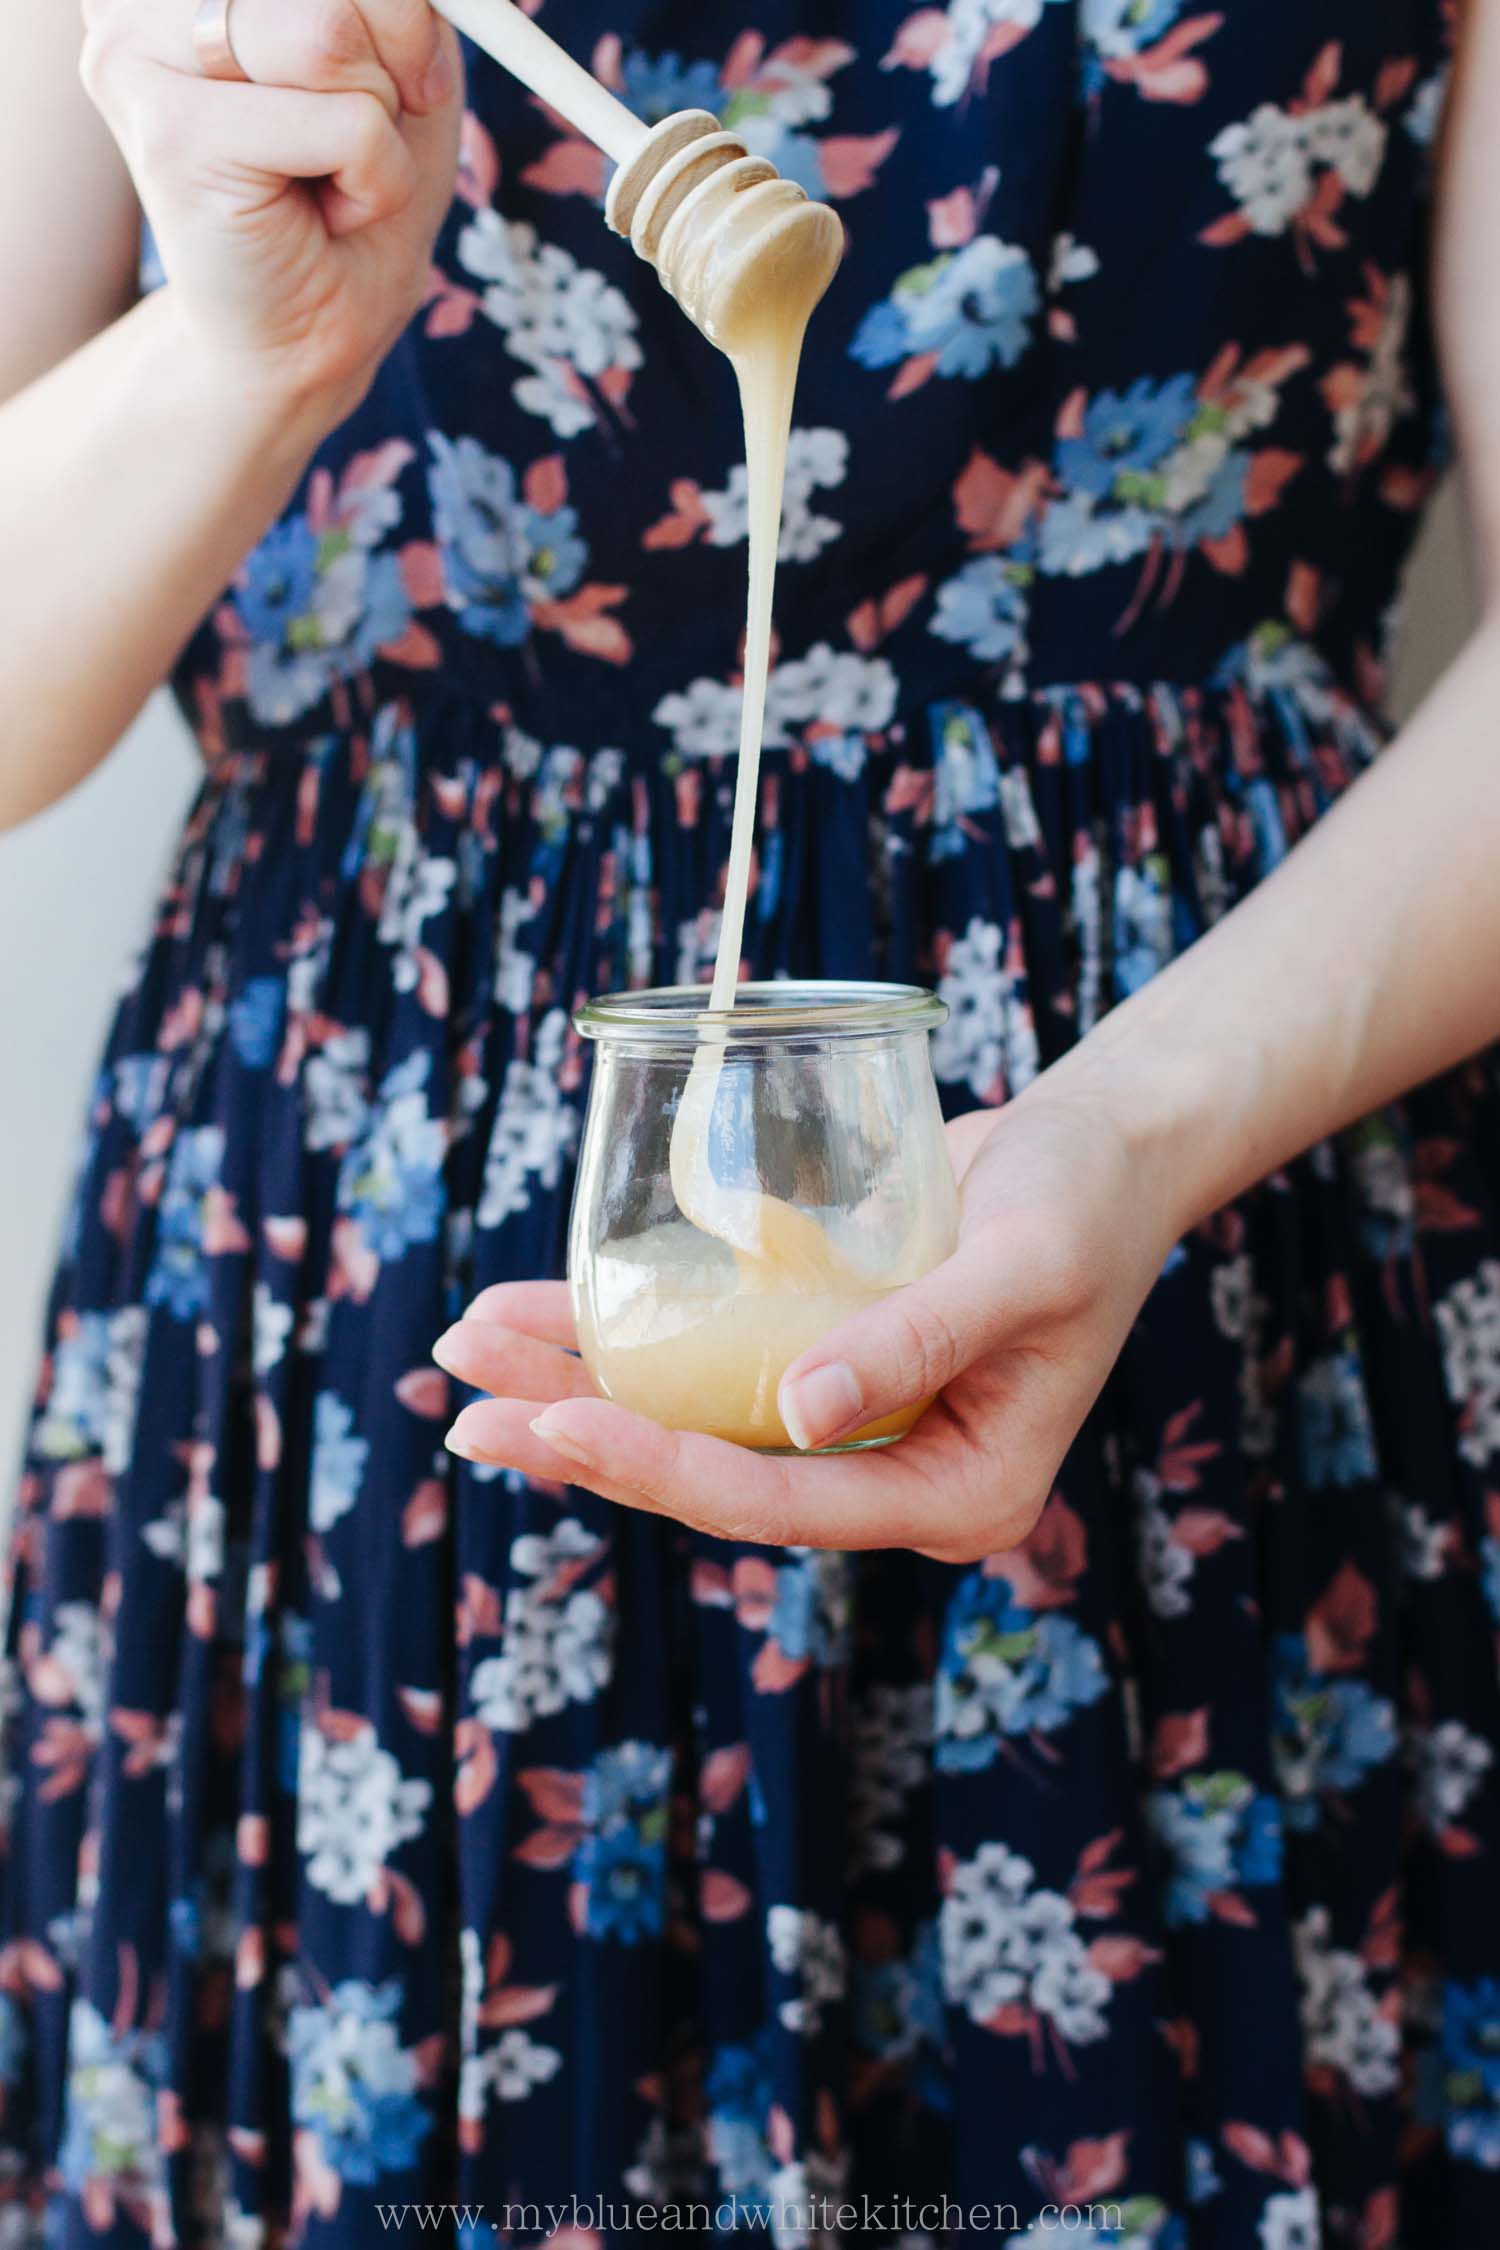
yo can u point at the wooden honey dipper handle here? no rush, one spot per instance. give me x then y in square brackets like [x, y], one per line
[524, 49]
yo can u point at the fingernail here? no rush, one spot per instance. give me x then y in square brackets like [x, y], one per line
[821, 1406]
[457, 1443]
[560, 1440]
[438, 84]
[449, 1347]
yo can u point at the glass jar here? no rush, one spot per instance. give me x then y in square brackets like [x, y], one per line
[749, 1179]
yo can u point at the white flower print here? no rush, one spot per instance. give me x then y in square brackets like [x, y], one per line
[1266, 167]
[192, 1535]
[1291, 2222]
[1166, 1566]
[1071, 261]
[1232, 1294]
[535, 1126]
[127, 1357]
[338, 1462]
[989, 1037]
[79, 1654]
[1468, 1320]
[1350, 139]
[556, 1651]
[1343, 2028]
[1005, 1944]
[970, 25]
[271, 1325]
[1018, 810]
[1382, 391]
[892, 1736]
[563, 321]
[1424, 1541]
[417, 889]
[1268, 162]
[702, 719]
[517, 2062]
[355, 1808]
[835, 688]
[1450, 1763]
[816, 460]
[826, 687]
[334, 1089]
[515, 968]
[808, 1948]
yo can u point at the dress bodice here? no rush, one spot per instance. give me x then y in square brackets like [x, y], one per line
[1126, 376]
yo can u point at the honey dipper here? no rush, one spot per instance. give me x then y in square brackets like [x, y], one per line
[720, 226]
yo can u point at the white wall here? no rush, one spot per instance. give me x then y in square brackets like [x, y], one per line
[75, 889]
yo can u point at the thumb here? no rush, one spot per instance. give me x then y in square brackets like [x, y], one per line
[905, 1349]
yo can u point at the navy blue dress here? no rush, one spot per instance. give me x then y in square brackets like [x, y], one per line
[382, 1831]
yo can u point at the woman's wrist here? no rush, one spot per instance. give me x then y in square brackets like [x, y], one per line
[256, 411]
[1187, 1110]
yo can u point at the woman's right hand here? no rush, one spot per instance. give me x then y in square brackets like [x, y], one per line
[294, 214]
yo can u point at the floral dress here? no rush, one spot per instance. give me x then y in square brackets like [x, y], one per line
[388, 1835]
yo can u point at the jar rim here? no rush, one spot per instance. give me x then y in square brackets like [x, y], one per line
[801, 1008]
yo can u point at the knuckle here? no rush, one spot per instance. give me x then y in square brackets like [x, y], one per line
[369, 130]
[335, 36]
[926, 1349]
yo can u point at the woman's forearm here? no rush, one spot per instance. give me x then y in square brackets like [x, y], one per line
[1369, 961]
[135, 478]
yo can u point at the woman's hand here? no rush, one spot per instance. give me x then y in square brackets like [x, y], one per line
[1065, 1225]
[294, 214]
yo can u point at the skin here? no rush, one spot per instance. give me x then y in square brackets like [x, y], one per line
[295, 218]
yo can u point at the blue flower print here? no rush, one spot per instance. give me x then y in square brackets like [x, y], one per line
[810, 1612]
[1124, 432]
[109, 2135]
[255, 1019]
[76, 1417]
[391, 1181]
[338, 1461]
[1143, 924]
[320, 600]
[14, 2040]
[621, 1862]
[983, 609]
[1489, 1573]
[354, 2084]
[655, 86]
[281, 581]
[624, 1877]
[740, 2092]
[179, 1274]
[1471, 2070]
[1330, 1733]
[1221, 1835]
[1221, 508]
[499, 555]
[969, 309]
[1006, 1671]
[624, 1782]
[1337, 1440]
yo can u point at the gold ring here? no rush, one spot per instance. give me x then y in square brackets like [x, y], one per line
[212, 44]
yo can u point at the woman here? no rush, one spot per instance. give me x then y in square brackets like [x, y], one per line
[387, 1830]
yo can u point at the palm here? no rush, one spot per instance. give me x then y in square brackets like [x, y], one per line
[1054, 1259]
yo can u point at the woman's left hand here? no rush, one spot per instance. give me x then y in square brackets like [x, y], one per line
[1064, 1227]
